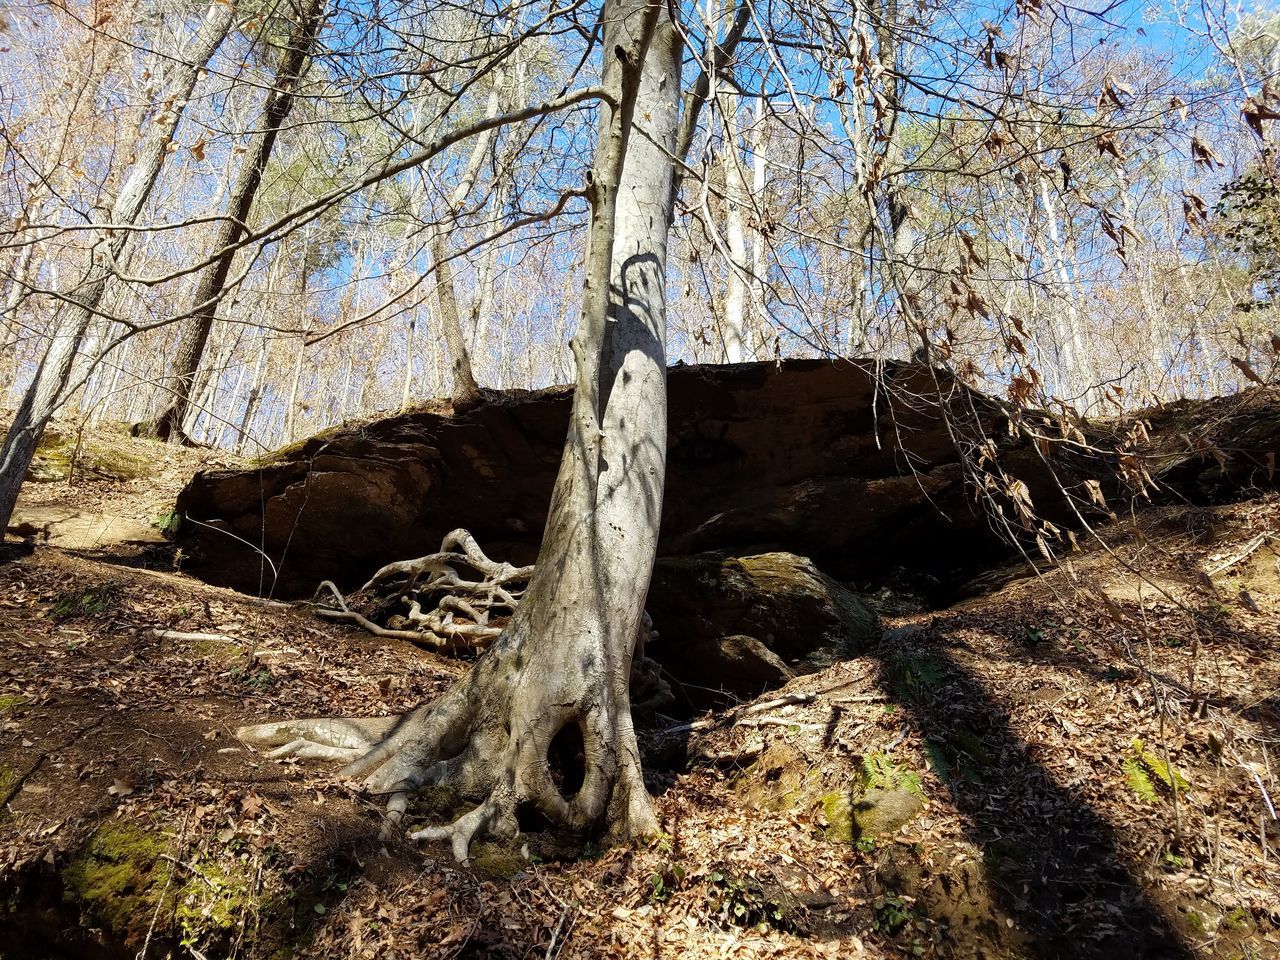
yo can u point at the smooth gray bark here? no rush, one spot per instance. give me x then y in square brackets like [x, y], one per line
[563, 662]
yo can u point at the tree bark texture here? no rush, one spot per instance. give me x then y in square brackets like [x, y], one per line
[561, 668]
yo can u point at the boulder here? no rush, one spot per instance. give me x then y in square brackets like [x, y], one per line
[730, 627]
[838, 461]
[867, 468]
[868, 813]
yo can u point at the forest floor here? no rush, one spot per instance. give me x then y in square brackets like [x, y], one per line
[1078, 764]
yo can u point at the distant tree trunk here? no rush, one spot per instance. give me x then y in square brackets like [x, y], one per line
[405, 391]
[17, 289]
[562, 665]
[346, 385]
[73, 318]
[899, 214]
[1077, 373]
[276, 109]
[251, 404]
[737, 341]
[482, 302]
[465, 391]
[225, 424]
[113, 385]
[760, 242]
[291, 410]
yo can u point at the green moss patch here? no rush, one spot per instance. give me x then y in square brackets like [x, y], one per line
[11, 701]
[9, 779]
[87, 603]
[210, 905]
[126, 879]
[781, 780]
[119, 877]
[499, 861]
[221, 650]
[99, 454]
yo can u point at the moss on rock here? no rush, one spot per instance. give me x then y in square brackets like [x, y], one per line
[868, 814]
[125, 878]
[120, 878]
[780, 780]
[113, 457]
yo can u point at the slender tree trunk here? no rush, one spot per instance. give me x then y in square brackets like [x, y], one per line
[1077, 374]
[738, 346]
[563, 662]
[900, 228]
[117, 368]
[482, 302]
[760, 242]
[465, 392]
[255, 394]
[225, 425]
[72, 320]
[17, 290]
[406, 389]
[290, 412]
[276, 109]
[15, 297]
[741, 342]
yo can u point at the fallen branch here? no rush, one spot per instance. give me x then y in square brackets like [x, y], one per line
[729, 719]
[1248, 551]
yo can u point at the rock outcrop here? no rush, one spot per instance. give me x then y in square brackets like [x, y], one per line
[865, 469]
[732, 627]
[843, 463]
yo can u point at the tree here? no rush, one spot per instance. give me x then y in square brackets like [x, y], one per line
[209, 291]
[47, 387]
[562, 666]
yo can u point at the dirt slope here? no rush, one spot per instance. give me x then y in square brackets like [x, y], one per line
[1075, 766]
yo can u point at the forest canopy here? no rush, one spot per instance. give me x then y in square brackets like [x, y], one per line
[1077, 199]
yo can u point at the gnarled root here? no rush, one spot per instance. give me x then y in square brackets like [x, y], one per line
[521, 734]
[462, 616]
[324, 738]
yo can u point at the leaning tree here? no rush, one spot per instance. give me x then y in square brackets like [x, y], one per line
[561, 667]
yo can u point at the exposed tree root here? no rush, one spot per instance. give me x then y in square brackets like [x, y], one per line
[463, 617]
[541, 726]
[520, 734]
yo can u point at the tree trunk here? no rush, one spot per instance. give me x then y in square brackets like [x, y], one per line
[255, 393]
[562, 666]
[465, 392]
[291, 411]
[407, 386]
[69, 326]
[760, 245]
[276, 109]
[737, 341]
[225, 426]
[899, 231]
